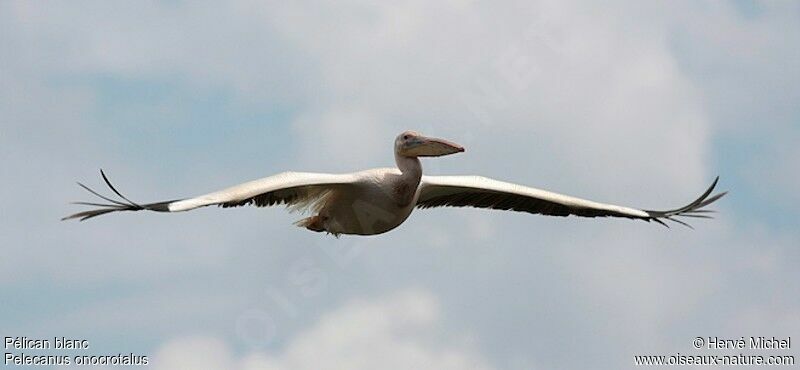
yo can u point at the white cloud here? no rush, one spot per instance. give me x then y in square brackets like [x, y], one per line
[343, 139]
[600, 92]
[398, 331]
[565, 80]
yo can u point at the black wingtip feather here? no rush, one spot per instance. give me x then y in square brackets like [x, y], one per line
[115, 205]
[101, 196]
[659, 221]
[694, 216]
[679, 222]
[693, 209]
[105, 178]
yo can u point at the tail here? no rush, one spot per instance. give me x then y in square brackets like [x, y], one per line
[115, 205]
[313, 223]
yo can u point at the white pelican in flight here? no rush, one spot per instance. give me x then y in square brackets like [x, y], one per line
[378, 200]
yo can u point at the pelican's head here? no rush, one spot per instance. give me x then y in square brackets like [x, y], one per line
[413, 144]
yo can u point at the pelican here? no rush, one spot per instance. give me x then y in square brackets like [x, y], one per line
[378, 200]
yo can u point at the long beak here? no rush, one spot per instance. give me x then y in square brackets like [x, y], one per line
[433, 147]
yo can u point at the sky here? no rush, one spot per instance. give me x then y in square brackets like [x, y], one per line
[639, 104]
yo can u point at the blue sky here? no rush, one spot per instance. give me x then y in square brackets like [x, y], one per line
[635, 104]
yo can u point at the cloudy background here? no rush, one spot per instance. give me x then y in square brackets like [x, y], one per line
[631, 103]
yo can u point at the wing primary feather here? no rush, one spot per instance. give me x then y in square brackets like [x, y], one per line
[660, 222]
[115, 204]
[693, 209]
[101, 196]
[697, 203]
[712, 199]
[679, 222]
[95, 213]
[693, 216]
[115, 190]
[94, 204]
[701, 211]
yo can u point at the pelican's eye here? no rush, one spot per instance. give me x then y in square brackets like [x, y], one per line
[406, 136]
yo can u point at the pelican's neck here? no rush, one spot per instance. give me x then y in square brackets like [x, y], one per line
[410, 177]
[409, 166]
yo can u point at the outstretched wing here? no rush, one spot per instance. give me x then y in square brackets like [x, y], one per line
[297, 189]
[482, 192]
